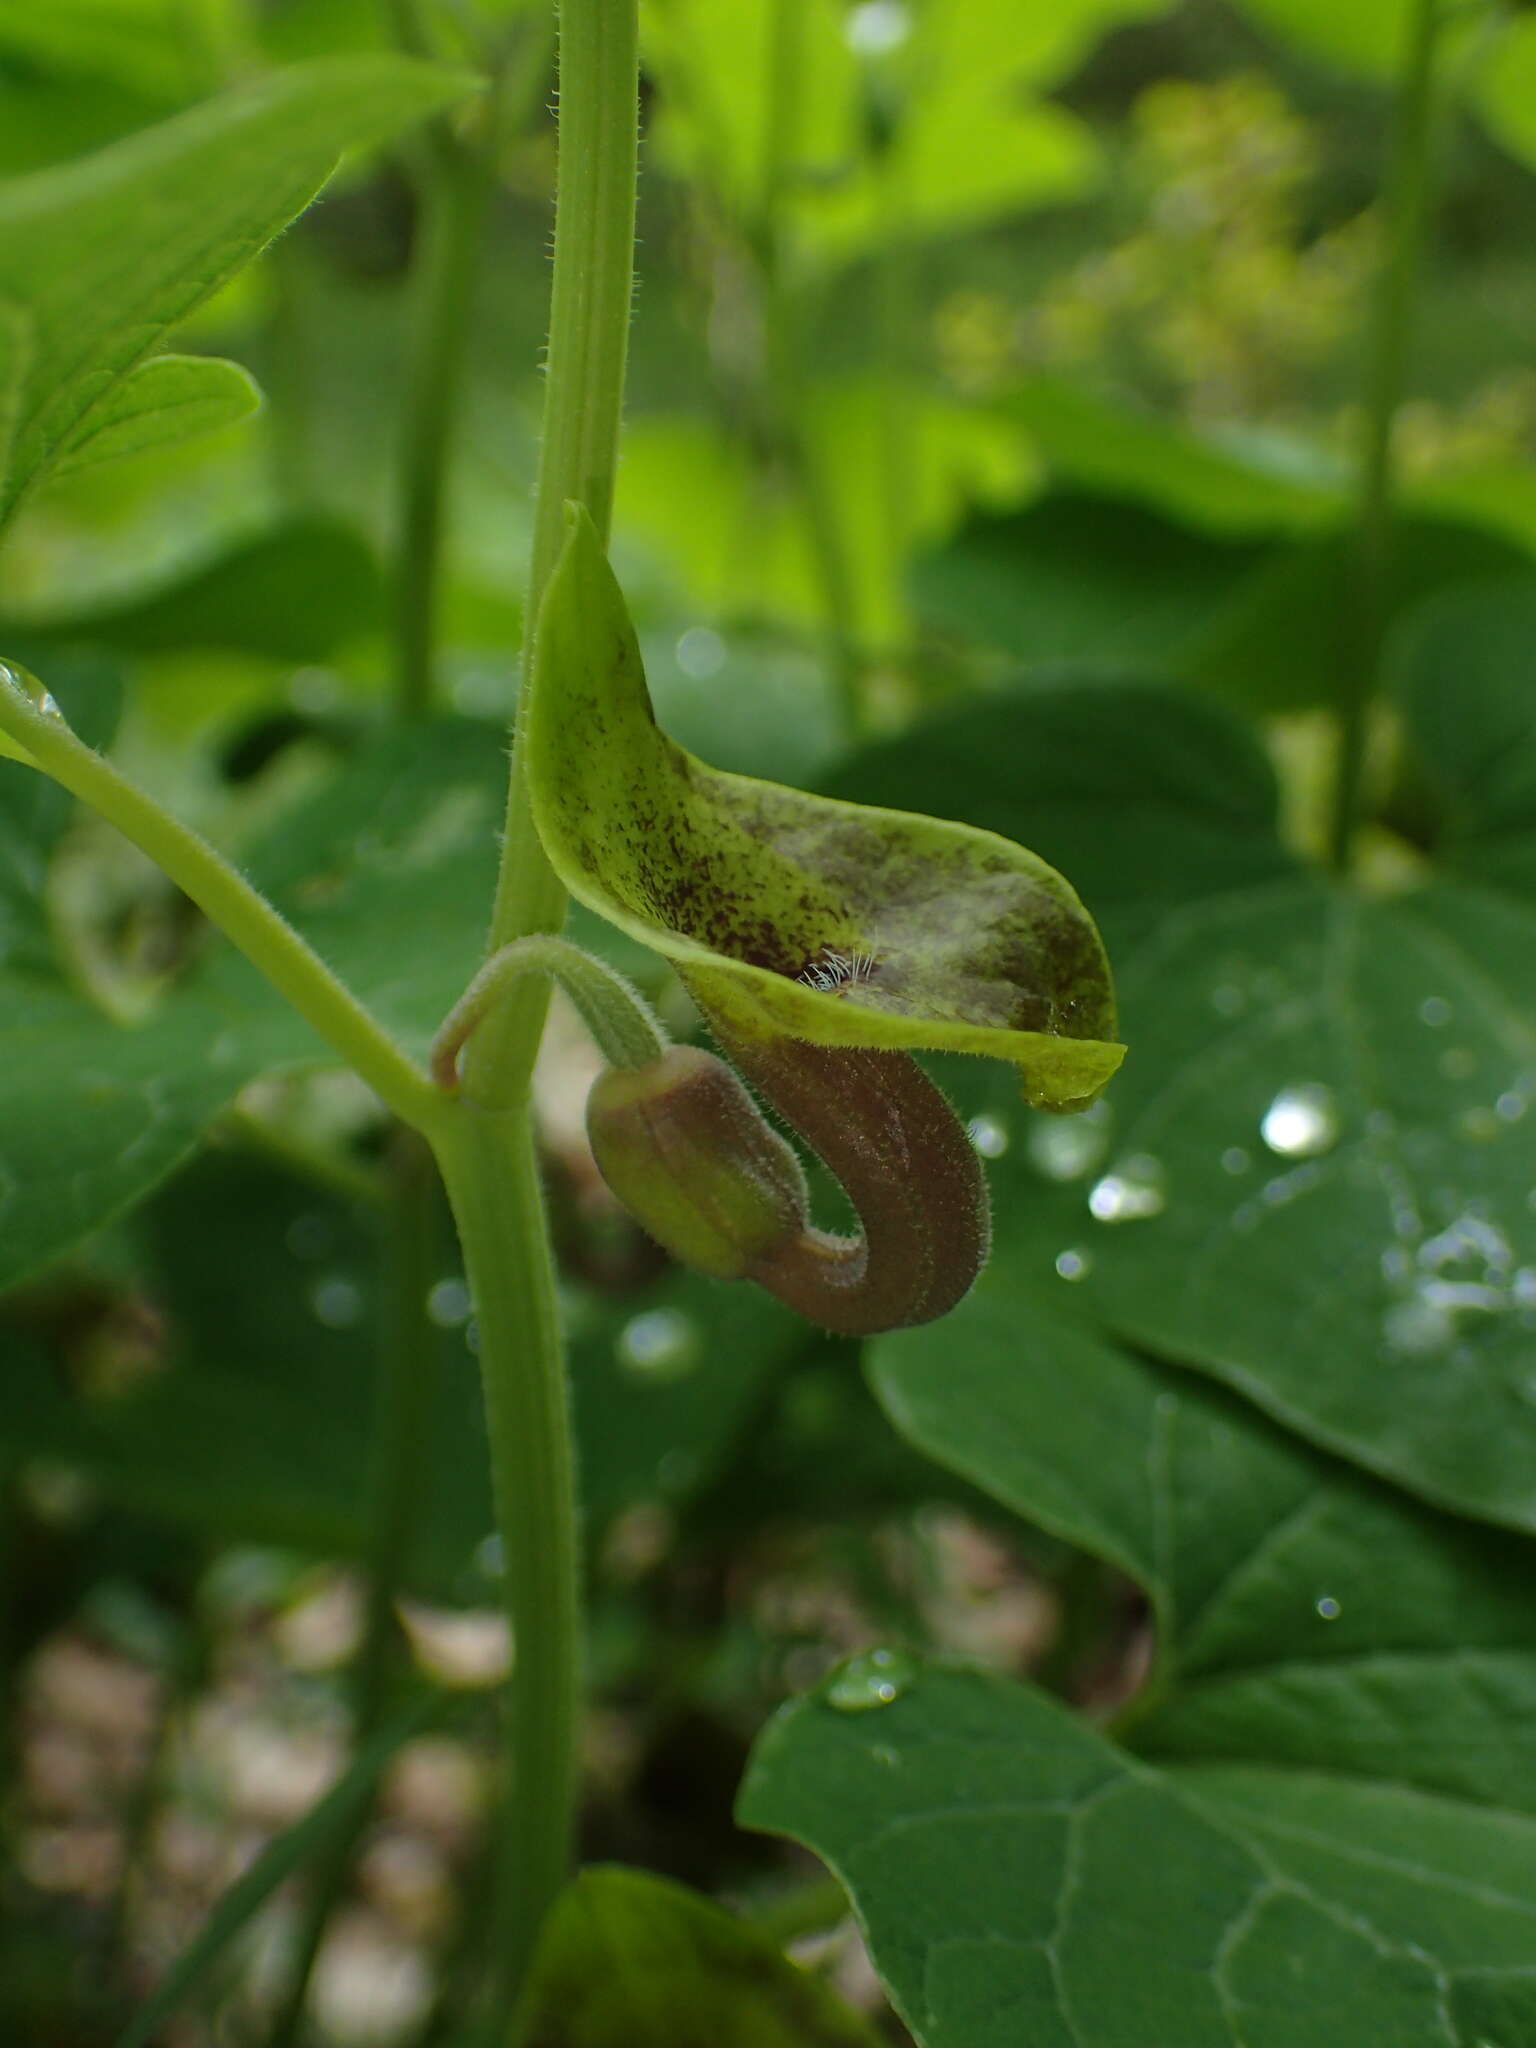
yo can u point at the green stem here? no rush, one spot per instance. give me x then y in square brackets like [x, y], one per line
[456, 182]
[615, 1013]
[487, 1155]
[1406, 194]
[400, 1440]
[784, 355]
[491, 1174]
[226, 898]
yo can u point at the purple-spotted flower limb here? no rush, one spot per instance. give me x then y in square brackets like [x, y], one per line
[824, 943]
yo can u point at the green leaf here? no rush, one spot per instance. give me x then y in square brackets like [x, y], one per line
[167, 399]
[1312, 1180]
[978, 946]
[110, 253]
[295, 592]
[628, 1960]
[1020, 1879]
[1280, 1640]
[148, 45]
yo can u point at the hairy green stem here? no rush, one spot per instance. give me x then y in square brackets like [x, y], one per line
[1406, 192]
[491, 1173]
[244, 916]
[615, 1013]
[487, 1155]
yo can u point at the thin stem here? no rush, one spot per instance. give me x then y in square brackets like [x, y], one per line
[492, 1179]
[243, 915]
[784, 355]
[1406, 194]
[401, 1437]
[456, 183]
[615, 1013]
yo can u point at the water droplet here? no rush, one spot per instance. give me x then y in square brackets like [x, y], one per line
[1511, 1106]
[1478, 1126]
[448, 1304]
[659, 1344]
[337, 1302]
[1436, 1012]
[1073, 1265]
[701, 653]
[876, 27]
[874, 1678]
[1458, 1063]
[1328, 1607]
[1522, 1288]
[1065, 1148]
[490, 1556]
[1134, 1191]
[1301, 1121]
[989, 1135]
[1235, 1160]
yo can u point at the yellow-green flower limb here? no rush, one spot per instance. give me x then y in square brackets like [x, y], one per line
[616, 1014]
[29, 717]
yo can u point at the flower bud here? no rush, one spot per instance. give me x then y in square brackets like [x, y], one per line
[691, 1157]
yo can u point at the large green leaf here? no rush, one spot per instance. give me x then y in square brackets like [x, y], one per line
[1282, 1641]
[976, 945]
[627, 1960]
[106, 255]
[1311, 1180]
[1021, 1879]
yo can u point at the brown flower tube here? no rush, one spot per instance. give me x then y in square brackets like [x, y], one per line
[906, 1165]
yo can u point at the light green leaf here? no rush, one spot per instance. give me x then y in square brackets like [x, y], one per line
[1365, 36]
[628, 1960]
[1313, 1179]
[148, 45]
[169, 398]
[109, 253]
[1020, 1879]
[958, 162]
[977, 945]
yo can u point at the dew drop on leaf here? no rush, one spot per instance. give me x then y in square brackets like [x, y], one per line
[1073, 1265]
[1131, 1193]
[873, 1678]
[1435, 1011]
[988, 1135]
[1301, 1122]
[1327, 1607]
[659, 1344]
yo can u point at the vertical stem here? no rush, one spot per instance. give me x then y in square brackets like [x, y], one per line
[400, 1439]
[487, 1156]
[455, 186]
[785, 356]
[1406, 189]
[492, 1178]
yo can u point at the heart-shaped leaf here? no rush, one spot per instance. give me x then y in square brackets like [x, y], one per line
[795, 916]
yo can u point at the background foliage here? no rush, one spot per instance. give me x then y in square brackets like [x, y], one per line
[1155, 1630]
